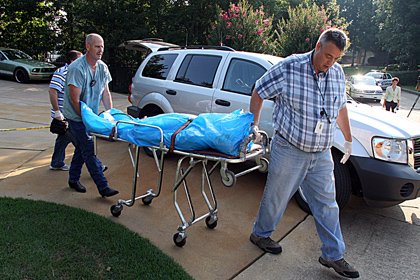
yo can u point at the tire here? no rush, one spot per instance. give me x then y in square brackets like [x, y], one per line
[211, 222]
[147, 200]
[342, 186]
[21, 76]
[179, 239]
[229, 180]
[264, 165]
[116, 210]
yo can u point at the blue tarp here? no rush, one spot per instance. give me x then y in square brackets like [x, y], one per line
[222, 132]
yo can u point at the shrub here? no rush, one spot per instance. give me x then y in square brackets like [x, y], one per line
[300, 32]
[407, 78]
[243, 28]
[392, 67]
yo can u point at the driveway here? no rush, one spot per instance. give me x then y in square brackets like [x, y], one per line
[382, 243]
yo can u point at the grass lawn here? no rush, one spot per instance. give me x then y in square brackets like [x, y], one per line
[41, 240]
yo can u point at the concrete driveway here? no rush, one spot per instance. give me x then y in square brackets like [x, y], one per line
[382, 243]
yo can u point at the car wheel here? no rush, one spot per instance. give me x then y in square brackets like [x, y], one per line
[342, 186]
[20, 75]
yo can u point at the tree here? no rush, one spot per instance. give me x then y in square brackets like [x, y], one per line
[24, 24]
[362, 28]
[243, 28]
[399, 30]
[301, 31]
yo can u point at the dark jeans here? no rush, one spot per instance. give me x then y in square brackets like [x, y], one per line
[390, 105]
[61, 143]
[85, 153]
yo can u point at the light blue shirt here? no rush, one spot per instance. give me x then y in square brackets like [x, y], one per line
[300, 97]
[80, 75]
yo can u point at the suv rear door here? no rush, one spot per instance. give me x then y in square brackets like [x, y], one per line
[193, 84]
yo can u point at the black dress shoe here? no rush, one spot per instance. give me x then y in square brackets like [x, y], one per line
[108, 192]
[77, 186]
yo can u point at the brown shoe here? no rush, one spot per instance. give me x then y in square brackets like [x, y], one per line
[341, 267]
[266, 244]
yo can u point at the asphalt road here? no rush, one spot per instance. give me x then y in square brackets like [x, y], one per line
[381, 243]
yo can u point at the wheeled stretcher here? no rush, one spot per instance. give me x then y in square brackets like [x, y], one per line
[207, 161]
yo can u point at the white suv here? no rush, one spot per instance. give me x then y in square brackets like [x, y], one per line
[384, 167]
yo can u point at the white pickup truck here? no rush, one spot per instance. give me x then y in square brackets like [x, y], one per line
[385, 164]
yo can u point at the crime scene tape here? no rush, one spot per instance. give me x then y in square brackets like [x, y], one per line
[23, 128]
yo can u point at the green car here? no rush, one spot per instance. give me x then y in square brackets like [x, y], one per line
[22, 67]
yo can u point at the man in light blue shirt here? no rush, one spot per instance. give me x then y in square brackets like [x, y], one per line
[310, 100]
[87, 81]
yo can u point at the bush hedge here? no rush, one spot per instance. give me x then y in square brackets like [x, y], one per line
[407, 78]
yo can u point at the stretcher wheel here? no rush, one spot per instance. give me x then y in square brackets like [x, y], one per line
[211, 222]
[264, 165]
[147, 200]
[179, 239]
[229, 179]
[116, 210]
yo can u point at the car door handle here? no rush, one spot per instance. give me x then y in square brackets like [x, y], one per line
[222, 102]
[171, 92]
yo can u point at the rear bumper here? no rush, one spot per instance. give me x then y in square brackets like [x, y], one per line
[384, 183]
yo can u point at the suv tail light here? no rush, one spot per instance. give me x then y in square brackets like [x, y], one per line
[129, 91]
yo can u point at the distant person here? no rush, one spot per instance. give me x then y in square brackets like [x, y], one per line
[418, 84]
[56, 93]
[87, 81]
[392, 96]
[309, 96]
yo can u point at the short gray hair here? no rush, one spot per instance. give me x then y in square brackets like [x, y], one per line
[336, 36]
[89, 38]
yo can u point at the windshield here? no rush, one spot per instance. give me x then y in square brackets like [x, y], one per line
[16, 54]
[364, 81]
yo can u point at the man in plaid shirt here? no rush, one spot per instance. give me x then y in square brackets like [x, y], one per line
[310, 100]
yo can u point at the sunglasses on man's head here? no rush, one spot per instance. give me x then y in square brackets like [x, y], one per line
[92, 83]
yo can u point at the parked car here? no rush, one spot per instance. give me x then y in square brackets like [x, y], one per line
[364, 88]
[385, 164]
[22, 67]
[382, 79]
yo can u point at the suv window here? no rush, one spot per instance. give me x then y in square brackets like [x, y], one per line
[158, 66]
[193, 72]
[241, 76]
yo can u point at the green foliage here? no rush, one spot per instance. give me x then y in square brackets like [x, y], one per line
[243, 28]
[399, 29]
[392, 67]
[50, 241]
[38, 26]
[28, 25]
[407, 78]
[301, 31]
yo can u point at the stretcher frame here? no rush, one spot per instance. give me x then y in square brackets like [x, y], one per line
[194, 158]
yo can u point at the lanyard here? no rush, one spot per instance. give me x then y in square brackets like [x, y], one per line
[316, 79]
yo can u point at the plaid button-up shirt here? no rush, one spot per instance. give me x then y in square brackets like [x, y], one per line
[300, 96]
